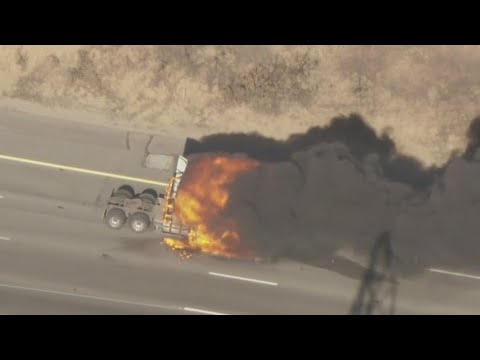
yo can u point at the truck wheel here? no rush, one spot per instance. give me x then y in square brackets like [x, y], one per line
[139, 222]
[125, 191]
[148, 198]
[115, 219]
[152, 192]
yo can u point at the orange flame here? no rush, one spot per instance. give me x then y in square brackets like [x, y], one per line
[201, 200]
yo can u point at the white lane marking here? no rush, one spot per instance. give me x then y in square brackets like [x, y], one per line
[4, 238]
[455, 274]
[244, 279]
[1, 196]
[202, 311]
[90, 297]
[80, 170]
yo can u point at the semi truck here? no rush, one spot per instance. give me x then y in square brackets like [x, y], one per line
[149, 209]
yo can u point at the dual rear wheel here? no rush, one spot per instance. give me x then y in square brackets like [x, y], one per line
[138, 222]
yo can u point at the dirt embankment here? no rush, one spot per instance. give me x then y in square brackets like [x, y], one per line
[425, 95]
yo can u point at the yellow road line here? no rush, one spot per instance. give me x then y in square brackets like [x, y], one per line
[80, 170]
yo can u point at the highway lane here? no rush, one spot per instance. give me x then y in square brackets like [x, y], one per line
[56, 243]
[61, 254]
[18, 300]
[54, 260]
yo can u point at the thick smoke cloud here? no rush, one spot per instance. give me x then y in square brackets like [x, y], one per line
[445, 228]
[352, 131]
[338, 187]
[473, 137]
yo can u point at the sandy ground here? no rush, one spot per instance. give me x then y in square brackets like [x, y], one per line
[424, 95]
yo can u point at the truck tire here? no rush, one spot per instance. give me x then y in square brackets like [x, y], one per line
[152, 192]
[139, 222]
[115, 218]
[125, 191]
[148, 197]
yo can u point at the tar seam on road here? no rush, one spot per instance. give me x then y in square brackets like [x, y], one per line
[202, 311]
[244, 279]
[455, 274]
[95, 298]
[81, 170]
[4, 238]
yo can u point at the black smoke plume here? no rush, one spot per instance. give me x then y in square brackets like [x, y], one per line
[473, 137]
[338, 187]
[352, 131]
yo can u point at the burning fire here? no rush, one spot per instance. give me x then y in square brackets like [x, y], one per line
[203, 196]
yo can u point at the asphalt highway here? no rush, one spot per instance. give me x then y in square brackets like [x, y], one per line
[57, 257]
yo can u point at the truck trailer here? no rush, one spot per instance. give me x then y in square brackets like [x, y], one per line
[150, 209]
